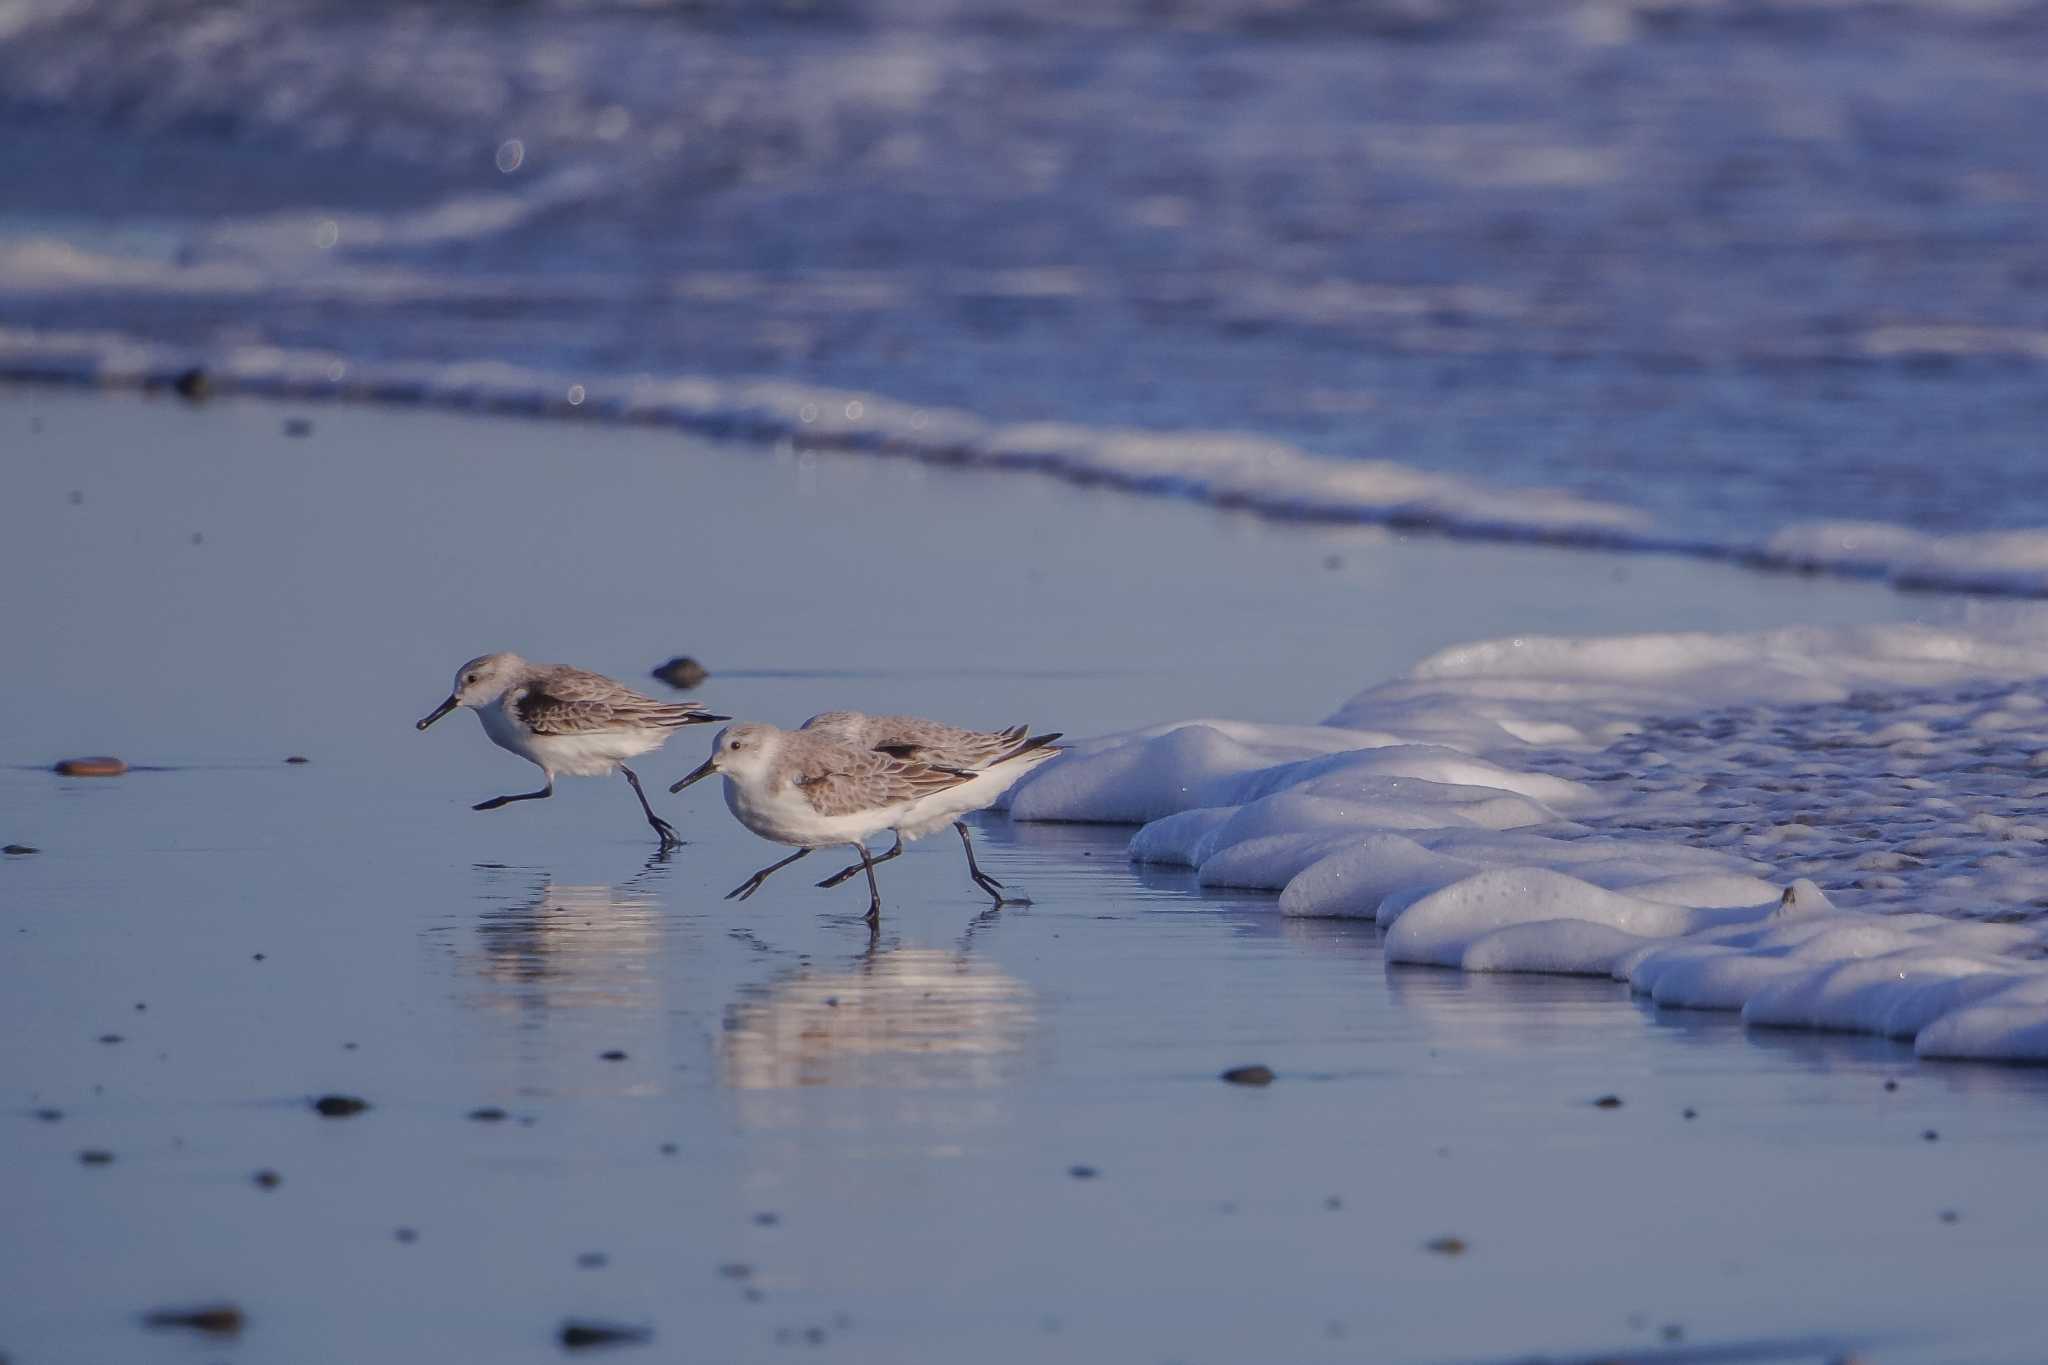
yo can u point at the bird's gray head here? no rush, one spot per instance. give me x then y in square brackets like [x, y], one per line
[480, 682]
[740, 751]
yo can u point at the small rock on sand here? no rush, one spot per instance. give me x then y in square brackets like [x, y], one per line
[93, 1156]
[1608, 1102]
[578, 1333]
[98, 766]
[1445, 1246]
[682, 671]
[1256, 1074]
[1083, 1172]
[193, 384]
[489, 1113]
[298, 426]
[267, 1180]
[214, 1319]
[614, 1055]
[298, 758]
[339, 1106]
[19, 849]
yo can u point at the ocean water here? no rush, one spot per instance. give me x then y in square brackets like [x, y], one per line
[1758, 280]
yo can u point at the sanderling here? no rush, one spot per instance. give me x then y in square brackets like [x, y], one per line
[812, 791]
[997, 758]
[567, 721]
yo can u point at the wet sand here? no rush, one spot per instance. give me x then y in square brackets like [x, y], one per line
[815, 1142]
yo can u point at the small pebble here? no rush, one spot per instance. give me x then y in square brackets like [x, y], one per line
[592, 1260]
[1445, 1246]
[19, 849]
[1891, 1085]
[1950, 1216]
[110, 1037]
[1930, 1136]
[49, 1115]
[736, 1270]
[767, 1220]
[267, 1180]
[1083, 1172]
[668, 1149]
[93, 1156]
[407, 1235]
[1333, 1203]
[256, 957]
[193, 385]
[1608, 1102]
[214, 1319]
[1691, 1112]
[682, 671]
[102, 765]
[613, 1056]
[489, 1113]
[298, 426]
[1256, 1074]
[339, 1106]
[578, 1333]
[298, 758]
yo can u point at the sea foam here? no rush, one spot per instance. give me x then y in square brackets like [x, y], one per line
[1821, 829]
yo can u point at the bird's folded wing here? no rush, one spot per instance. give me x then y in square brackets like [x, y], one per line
[872, 782]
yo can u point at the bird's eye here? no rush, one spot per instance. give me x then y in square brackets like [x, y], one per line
[739, 744]
[470, 679]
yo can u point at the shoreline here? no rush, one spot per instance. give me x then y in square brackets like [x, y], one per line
[1229, 470]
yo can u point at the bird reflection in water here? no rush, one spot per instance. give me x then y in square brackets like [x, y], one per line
[904, 1017]
[571, 947]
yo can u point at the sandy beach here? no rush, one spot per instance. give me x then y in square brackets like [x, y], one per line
[991, 1136]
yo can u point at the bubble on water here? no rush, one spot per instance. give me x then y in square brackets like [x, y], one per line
[809, 412]
[576, 395]
[326, 234]
[511, 155]
[854, 410]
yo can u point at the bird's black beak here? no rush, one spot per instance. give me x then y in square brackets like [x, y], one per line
[710, 766]
[443, 709]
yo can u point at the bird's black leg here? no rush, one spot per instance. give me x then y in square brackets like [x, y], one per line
[854, 871]
[497, 801]
[753, 883]
[662, 827]
[982, 879]
[874, 892]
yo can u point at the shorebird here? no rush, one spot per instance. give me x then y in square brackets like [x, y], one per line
[812, 791]
[566, 721]
[997, 758]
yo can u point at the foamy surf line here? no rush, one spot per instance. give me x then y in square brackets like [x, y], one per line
[1237, 470]
[1662, 810]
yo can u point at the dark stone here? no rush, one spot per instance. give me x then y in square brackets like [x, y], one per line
[615, 1055]
[1256, 1074]
[298, 426]
[193, 384]
[1691, 1113]
[267, 1180]
[19, 848]
[49, 1115]
[1445, 1246]
[1608, 1102]
[736, 1270]
[767, 1220]
[110, 1037]
[1930, 1136]
[214, 1319]
[298, 758]
[682, 672]
[578, 1333]
[669, 1149]
[1950, 1216]
[93, 1156]
[407, 1236]
[1083, 1172]
[592, 1260]
[339, 1106]
[101, 765]
[490, 1113]
[1891, 1085]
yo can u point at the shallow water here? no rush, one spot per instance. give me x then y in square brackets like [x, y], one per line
[909, 1109]
[1731, 265]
